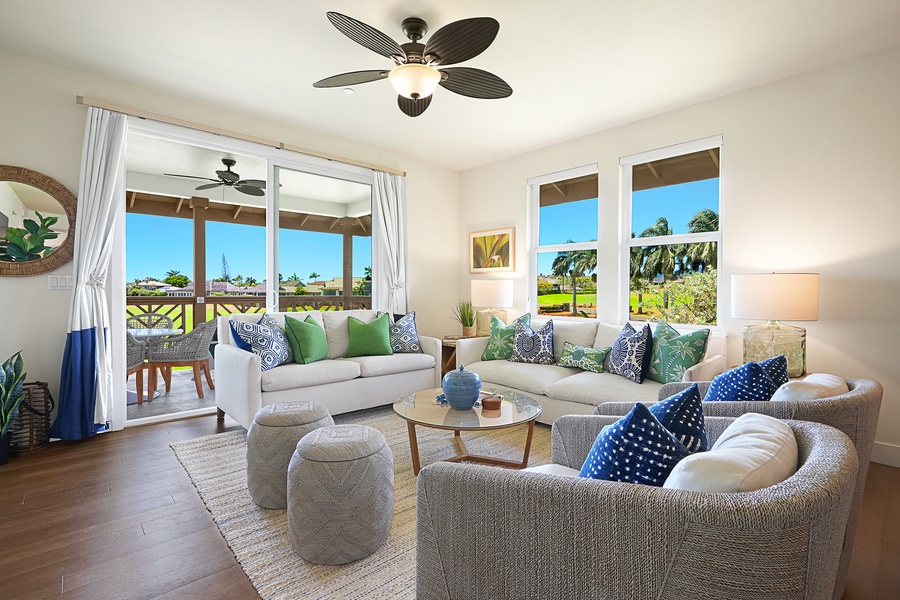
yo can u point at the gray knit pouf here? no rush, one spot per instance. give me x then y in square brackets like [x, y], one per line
[340, 494]
[271, 441]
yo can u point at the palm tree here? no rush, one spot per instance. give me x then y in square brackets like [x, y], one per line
[704, 255]
[659, 259]
[314, 276]
[173, 273]
[574, 264]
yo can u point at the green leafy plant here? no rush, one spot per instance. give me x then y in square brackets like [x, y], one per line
[464, 313]
[12, 378]
[28, 243]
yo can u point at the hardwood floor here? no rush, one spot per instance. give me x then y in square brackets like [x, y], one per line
[117, 517]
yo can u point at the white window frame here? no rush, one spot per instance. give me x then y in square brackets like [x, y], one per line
[534, 231]
[626, 164]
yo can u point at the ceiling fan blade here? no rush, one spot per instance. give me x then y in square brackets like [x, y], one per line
[251, 182]
[352, 78]
[365, 35]
[461, 40]
[190, 177]
[475, 83]
[413, 108]
[209, 186]
[250, 190]
[229, 177]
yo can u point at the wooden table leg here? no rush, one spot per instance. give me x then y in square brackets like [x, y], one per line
[528, 443]
[413, 446]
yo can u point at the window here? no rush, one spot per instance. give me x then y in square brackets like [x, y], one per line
[564, 259]
[673, 241]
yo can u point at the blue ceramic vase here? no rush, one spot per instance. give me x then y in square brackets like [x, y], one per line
[461, 388]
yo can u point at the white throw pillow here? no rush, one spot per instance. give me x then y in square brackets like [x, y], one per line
[754, 452]
[813, 387]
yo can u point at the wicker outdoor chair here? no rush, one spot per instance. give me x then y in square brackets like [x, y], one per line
[187, 350]
[135, 353]
[149, 321]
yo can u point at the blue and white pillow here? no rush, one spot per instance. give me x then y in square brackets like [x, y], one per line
[634, 449]
[630, 356]
[745, 383]
[266, 341]
[267, 320]
[777, 369]
[404, 338]
[530, 346]
[682, 415]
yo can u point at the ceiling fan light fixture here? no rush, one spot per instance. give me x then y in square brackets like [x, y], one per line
[414, 80]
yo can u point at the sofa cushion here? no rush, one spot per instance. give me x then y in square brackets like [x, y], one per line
[307, 339]
[754, 452]
[747, 382]
[606, 335]
[501, 342]
[630, 356]
[580, 332]
[674, 353]
[293, 375]
[374, 366]
[267, 342]
[596, 388]
[776, 368]
[634, 449]
[553, 469]
[369, 339]
[582, 357]
[337, 332]
[813, 387]
[530, 346]
[682, 414]
[527, 377]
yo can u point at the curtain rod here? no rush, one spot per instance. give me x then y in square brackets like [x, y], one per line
[233, 134]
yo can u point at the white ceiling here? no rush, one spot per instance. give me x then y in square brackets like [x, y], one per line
[576, 67]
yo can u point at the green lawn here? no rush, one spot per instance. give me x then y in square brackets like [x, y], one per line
[548, 299]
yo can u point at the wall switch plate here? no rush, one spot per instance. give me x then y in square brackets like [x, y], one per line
[56, 283]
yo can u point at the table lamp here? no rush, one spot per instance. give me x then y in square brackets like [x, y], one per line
[490, 293]
[776, 297]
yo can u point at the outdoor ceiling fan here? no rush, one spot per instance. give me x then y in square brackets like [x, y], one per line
[228, 178]
[416, 75]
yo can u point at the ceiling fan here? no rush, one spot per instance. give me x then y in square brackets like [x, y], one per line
[416, 74]
[253, 187]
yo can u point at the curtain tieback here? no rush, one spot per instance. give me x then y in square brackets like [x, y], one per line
[96, 281]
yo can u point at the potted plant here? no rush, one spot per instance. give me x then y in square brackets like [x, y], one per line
[465, 315]
[12, 378]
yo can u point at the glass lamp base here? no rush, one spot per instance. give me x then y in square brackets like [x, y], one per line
[483, 319]
[771, 339]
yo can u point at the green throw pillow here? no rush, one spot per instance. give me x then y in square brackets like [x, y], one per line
[307, 339]
[372, 339]
[679, 353]
[663, 332]
[500, 345]
[583, 357]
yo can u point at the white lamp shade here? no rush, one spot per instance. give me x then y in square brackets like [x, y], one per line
[414, 80]
[492, 292]
[775, 296]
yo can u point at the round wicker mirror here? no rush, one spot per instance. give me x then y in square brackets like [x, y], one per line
[23, 194]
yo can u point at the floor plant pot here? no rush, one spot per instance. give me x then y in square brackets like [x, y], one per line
[5, 443]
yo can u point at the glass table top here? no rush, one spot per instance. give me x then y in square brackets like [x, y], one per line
[514, 409]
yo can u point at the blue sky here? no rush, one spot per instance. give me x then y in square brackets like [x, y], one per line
[155, 245]
[578, 220]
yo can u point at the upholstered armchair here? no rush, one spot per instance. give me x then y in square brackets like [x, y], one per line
[855, 413]
[485, 532]
[187, 350]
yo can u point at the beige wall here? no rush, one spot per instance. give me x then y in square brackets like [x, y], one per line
[809, 182]
[41, 128]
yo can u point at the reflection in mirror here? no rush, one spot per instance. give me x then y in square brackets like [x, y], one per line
[37, 220]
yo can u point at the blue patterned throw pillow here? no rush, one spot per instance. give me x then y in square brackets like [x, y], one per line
[630, 356]
[266, 341]
[747, 382]
[634, 449]
[404, 338]
[267, 320]
[777, 369]
[682, 415]
[530, 346]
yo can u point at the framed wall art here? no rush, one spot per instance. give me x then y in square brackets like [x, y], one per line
[492, 251]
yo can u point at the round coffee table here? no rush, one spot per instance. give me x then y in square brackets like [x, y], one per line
[515, 409]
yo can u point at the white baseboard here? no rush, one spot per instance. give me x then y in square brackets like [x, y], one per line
[886, 454]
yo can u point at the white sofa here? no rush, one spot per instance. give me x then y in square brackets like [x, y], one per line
[340, 384]
[563, 390]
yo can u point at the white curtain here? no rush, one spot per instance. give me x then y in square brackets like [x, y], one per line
[85, 401]
[389, 259]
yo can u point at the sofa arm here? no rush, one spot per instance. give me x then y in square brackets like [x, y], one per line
[432, 346]
[238, 383]
[469, 350]
[706, 370]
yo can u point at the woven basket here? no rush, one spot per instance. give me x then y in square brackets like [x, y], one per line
[31, 431]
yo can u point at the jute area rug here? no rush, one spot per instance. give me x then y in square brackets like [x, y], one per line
[258, 537]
